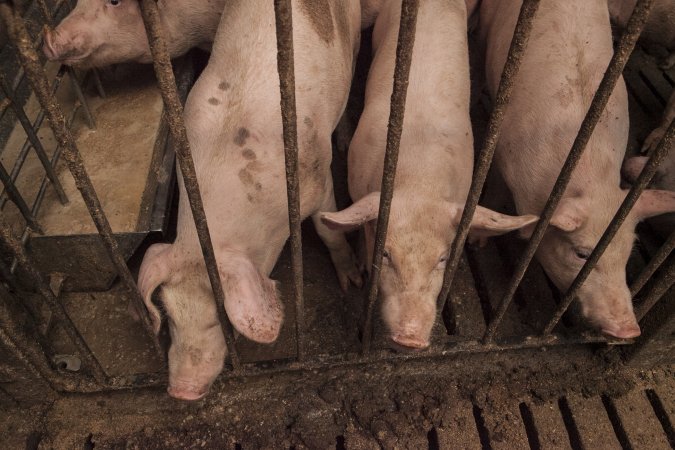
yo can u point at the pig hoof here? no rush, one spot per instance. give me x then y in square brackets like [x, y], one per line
[348, 276]
[652, 141]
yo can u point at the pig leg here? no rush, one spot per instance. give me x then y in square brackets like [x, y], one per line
[340, 251]
[655, 136]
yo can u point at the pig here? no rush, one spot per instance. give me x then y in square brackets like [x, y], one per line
[371, 8]
[568, 52]
[99, 33]
[656, 135]
[434, 167]
[659, 31]
[233, 121]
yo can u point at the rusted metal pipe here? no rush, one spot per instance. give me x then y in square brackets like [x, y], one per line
[404, 50]
[286, 67]
[17, 251]
[71, 155]
[598, 104]
[654, 264]
[15, 196]
[34, 140]
[174, 114]
[657, 291]
[519, 41]
[640, 185]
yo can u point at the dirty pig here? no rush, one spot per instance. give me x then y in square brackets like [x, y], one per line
[233, 121]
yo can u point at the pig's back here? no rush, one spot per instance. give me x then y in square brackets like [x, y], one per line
[437, 138]
[568, 52]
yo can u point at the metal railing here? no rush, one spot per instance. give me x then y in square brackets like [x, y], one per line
[18, 344]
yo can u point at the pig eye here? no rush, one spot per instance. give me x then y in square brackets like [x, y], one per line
[114, 2]
[386, 255]
[582, 253]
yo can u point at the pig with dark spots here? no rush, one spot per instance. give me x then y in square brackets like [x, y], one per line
[98, 33]
[571, 46]
[238, 150]
[434, 167]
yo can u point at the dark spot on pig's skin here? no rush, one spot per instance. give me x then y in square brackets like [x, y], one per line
[214, 101]
[246, 177]
[319, 14]
[250, 198]
[241, 136]
[249, 154]
[258, 186]
[308, 121]
[224, 86]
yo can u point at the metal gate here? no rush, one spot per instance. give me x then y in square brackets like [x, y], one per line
[23, 347]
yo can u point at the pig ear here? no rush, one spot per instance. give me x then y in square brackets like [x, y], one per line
[487, 223]
[653, 202]
[570, 214]
[357, 215]
[155, 270]
[251, 300]
[632, 167]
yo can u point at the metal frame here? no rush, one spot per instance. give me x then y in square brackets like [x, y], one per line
[283, 12]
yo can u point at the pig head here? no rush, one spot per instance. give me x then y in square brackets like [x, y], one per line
[417, 247]
[99, 33]
[198, 350]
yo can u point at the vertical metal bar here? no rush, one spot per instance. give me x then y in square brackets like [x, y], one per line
[18, 200]
[80, 96]
[598, 104]
[97, 82]
[640, 185]
[656, 292]
[174, 114]
[34, 140]
[17, 251]
[36, 75]
[286, 68]
[404, 50]
[521, 35]
[653, 265]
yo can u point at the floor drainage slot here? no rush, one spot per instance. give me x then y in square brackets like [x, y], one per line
[613, 415]
[662, 415]
[530, 427]
[483, 432]
[570, 425]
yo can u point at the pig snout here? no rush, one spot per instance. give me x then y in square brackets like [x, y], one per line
[614, 318]
[184, 390]
[624, 330]
[64, 46]
[48, 47]
[409, 319]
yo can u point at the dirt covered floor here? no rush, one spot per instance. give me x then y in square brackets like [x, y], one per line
[560, 398]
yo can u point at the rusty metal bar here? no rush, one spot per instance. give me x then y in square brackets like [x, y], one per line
[286, 68]
[404, 50]
[81, 98]
[18, 200]
[598, 104]
[37, 123]
[640, 185]
[657, 291]
[17, 251]
[174, 114]
[653, 265]
[37, 203]
[519, 42]
[36, 75]
[97, 82]
[34, 141]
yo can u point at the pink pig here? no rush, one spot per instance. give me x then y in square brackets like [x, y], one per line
[568, 52]
[434, 168]
[102, 32]
[233, 119]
